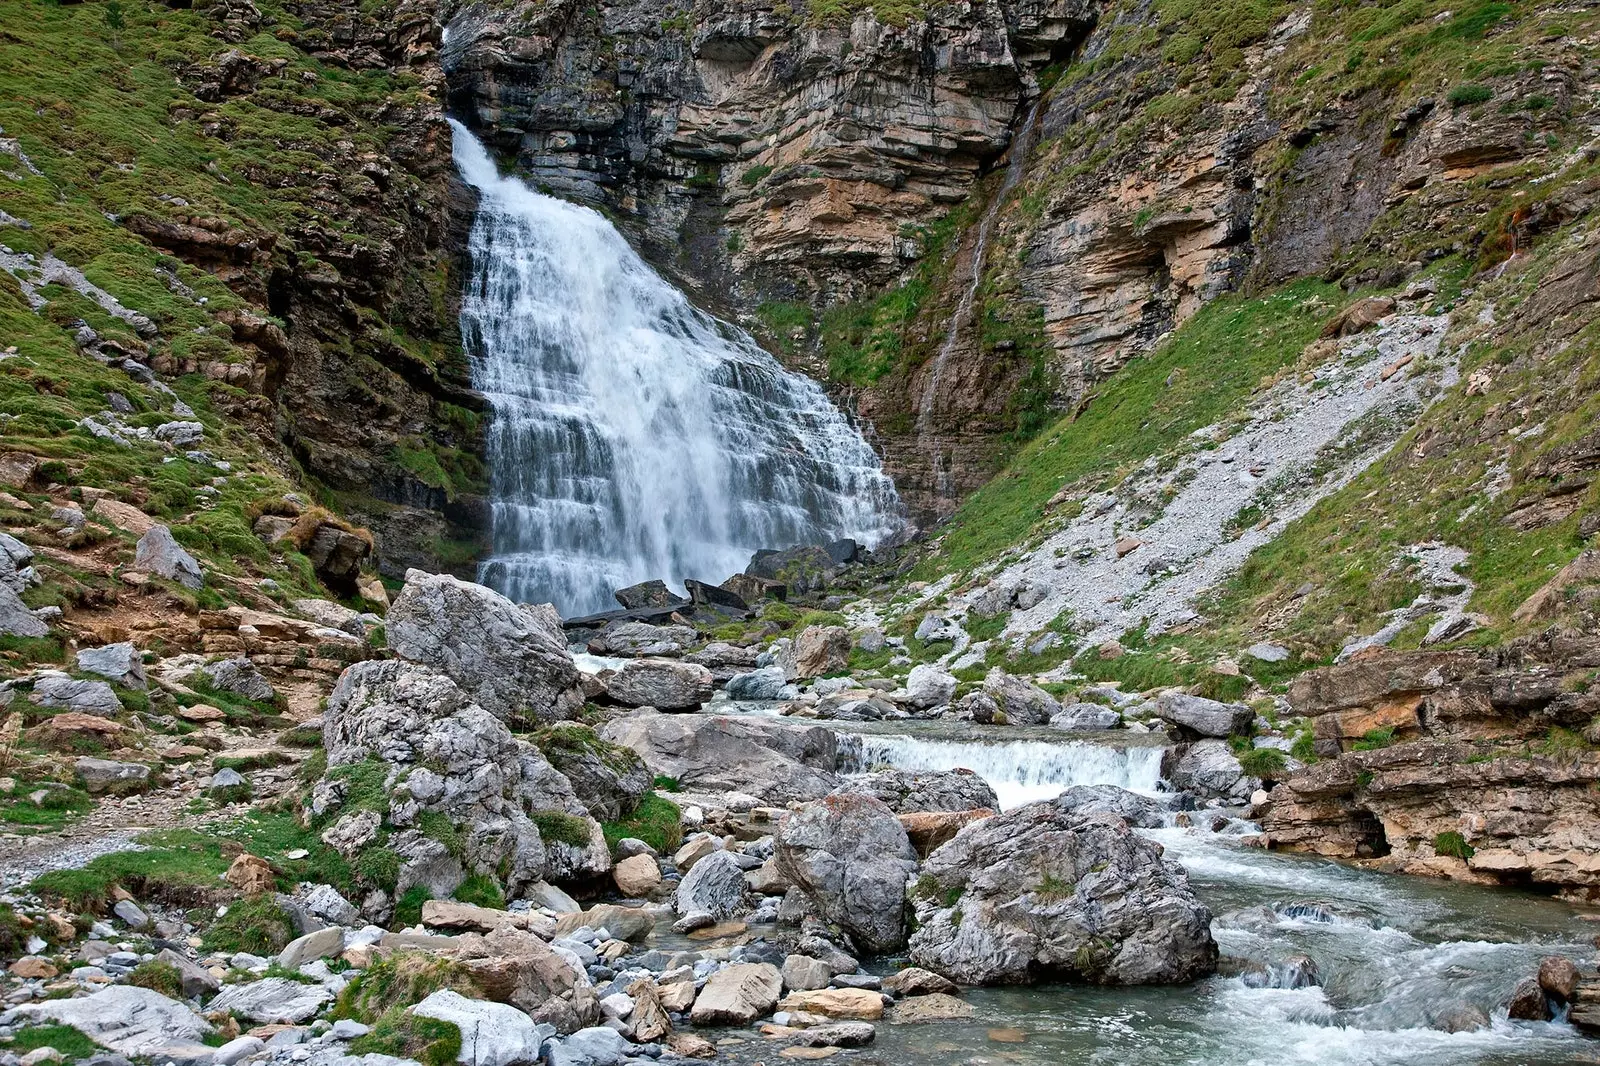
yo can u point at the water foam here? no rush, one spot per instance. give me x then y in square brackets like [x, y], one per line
[1019, 771]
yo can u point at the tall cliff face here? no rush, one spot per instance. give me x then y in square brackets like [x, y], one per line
[825, 172]
[758, 154]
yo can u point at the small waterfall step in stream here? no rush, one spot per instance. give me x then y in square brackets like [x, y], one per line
[1392, 954]
[634, 436]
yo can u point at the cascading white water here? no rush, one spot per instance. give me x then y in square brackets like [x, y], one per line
[1019, 771]
[635, 436]
[1017, 166]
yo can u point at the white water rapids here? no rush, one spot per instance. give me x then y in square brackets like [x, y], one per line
[634, 436]
[1393, 956]
[1019, 771]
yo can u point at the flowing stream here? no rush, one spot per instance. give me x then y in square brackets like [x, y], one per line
[1392, 954]
[1015, 167]
[633, 435]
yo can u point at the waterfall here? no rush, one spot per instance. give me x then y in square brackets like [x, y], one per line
[634, 436]
[1019, 771]
[1015, 168]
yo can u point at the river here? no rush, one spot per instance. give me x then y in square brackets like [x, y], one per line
[1391, 953]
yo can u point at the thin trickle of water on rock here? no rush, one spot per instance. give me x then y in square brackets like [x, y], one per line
[1014, 171]
[1019, 771]
[634, 436]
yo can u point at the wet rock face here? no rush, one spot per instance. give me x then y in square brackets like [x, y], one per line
[811, 144]
[1049, 889]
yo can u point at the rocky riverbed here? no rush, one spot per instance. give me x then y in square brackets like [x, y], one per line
[484, 848]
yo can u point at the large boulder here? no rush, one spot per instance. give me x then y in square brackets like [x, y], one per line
[767, 683]
[665, 684]
[273, 1000]
[738, 994]
[851, 857]
[908, 791]
[1136, 810]
[240, 677]
[1046, 892]
[629, 638]
[336, 554]
[652, 593]
[776, 761]
[1210, 770]
[804, 569]
[818, 651]
[930, 686]
[60, 691]
[121, 663]
[16, 564]
[492, 1034]
[108, 775]
[159, 554]
[715, 885]
[608, 779]
[517, 967]
[446, 757]
[16, 619]
[1198, 716]
[1022, 702]
[512, 660]
[1085, 717]
[132, 1021]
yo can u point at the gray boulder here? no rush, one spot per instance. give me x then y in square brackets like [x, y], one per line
[642, 638]
[59, 691]
[910, 792]
[195, 979]
[776, 761]
[1022, 702]
[158, 553]
[936, 628]
[225, 781]
[16, 619]
[1085, 717]
[180, 434]
[451, 757]
[1088, 800]
[930, 686]
[1199, 716]
[767, 683]
[851, 857]
[127, 1019]
[240, 677]
[325, 902]
[1043, 892]
[738, 994]
[1210, 770]
[512, 660]
[715, 885]
[977, 707]
[16, 564]
[652, 593]
[107, 775]
[272, 1000]
[597, 1045]
[664, 684]
[492, 1034]
[121, 663]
